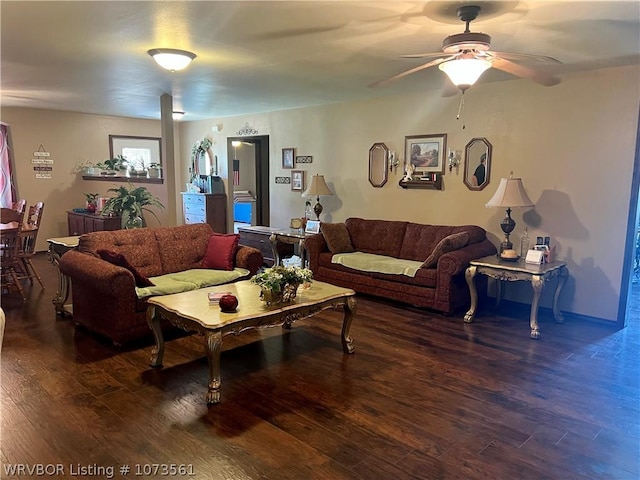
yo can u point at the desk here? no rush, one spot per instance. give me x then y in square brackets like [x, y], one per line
[502, 270]
[57, 248]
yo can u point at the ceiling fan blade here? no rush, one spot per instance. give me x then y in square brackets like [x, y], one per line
[524, 72]
[432, 63]
[424, 55]
[523, 56]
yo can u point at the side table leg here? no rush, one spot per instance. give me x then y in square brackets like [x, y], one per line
[273, 239]
[537, 282]
[157, 352]
[468, 275]
[62, 295]
[349, 312]
[562, 279]
[213, 345]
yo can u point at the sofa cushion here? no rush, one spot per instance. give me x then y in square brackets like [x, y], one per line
[182, 247]
[193, 279]
[221, 251]
[138, 245]
[447, 244]
[383, 237]
[121, 261]
[337, 237]
[420, 240]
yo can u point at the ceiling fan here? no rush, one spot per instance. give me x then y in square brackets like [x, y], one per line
[465, 56]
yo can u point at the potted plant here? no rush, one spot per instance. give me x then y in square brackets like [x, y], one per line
[154, 170]
[91, 202]
[130, 202]
[113, 165]
[279, 284]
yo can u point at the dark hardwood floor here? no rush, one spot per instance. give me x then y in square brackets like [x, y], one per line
[423, 397]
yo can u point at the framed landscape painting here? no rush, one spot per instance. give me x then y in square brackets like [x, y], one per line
[426, 152]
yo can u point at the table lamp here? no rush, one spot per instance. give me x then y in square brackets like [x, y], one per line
[510, 194]
[318, 187]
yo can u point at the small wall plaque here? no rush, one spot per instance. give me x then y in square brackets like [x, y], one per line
[304, 159]
[283, 180]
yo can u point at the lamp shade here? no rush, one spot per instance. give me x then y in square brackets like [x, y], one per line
[464, 72]
[317, 187]
[510, 194]
[171, 58]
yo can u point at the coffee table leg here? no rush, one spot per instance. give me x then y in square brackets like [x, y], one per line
[468, 275]
[537, 282]
[213, 346]
[349, 312]
[157, 352]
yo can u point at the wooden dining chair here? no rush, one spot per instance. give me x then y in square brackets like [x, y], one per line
[19, 205]
[28, 237]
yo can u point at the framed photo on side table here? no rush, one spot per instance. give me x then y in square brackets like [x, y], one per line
[297, 180]
[426, 153]
[287, 157]
[313, 226]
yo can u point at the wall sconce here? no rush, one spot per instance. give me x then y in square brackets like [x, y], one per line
[393, 161]
[454, 161]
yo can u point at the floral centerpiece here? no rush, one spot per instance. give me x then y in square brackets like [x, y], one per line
[280, 284]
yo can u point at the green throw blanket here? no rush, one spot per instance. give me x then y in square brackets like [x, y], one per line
[369, 262]
[189, 280]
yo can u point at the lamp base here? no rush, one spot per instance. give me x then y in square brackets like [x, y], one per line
[317, 209]
[506, 245]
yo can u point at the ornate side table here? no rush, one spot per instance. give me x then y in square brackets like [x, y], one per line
[502, 270]
[291, 236]
[57, 248]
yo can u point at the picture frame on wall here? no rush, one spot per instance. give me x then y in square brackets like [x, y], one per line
[297, 180]
[288, 157]
[140, 152]
[426, 153]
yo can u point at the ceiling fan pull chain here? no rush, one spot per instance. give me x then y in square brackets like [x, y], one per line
[460, 108]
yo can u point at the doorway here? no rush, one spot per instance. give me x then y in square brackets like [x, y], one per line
[629, 304]
[251, 173]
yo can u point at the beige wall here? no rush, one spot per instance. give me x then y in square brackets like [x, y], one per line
[72, 139]
[573, 145]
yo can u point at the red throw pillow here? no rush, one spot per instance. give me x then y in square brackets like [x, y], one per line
[221, 251]
[121, 261]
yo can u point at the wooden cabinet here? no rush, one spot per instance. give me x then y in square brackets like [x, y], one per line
[208, 208]
[259, 237]
[81, 223]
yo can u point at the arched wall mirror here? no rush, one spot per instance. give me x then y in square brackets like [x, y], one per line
[378, 164]
[477, 165]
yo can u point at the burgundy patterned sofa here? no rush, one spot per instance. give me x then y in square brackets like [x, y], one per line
[441, 287]
[106, 298]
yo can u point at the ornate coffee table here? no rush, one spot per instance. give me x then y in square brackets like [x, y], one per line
[503, 270]
[192, 312]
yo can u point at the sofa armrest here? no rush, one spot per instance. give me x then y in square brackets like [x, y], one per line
[314, 246]
[108, 280]
[455, 262]
[249, 258]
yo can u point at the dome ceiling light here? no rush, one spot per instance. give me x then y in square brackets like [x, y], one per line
[171, 58]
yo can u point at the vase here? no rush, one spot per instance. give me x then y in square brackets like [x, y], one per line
[134, 222]
[286, 294]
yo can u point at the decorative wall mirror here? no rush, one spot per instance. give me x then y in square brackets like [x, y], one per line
[378, 164]
[477, 165]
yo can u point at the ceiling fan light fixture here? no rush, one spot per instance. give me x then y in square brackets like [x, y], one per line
[464, 72]
[171, 58]
[177, 115]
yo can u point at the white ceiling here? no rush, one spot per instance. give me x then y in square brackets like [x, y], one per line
[90, 56]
